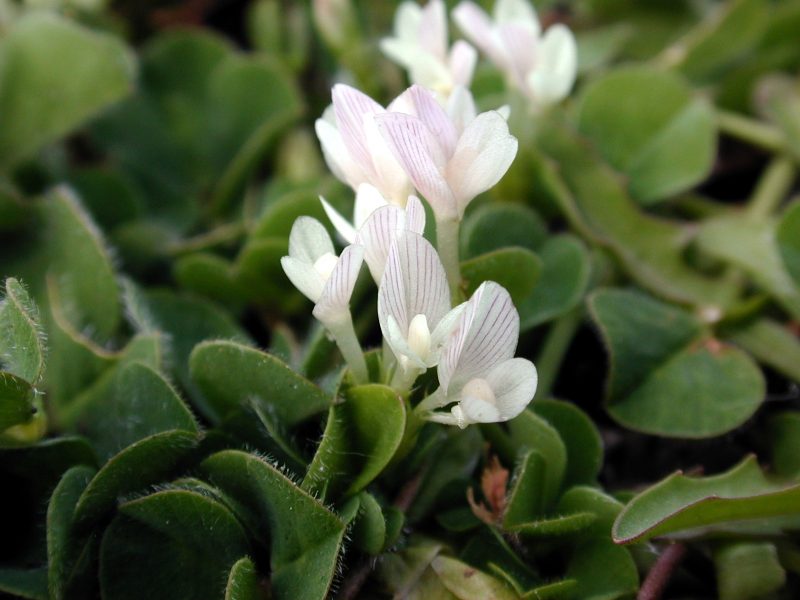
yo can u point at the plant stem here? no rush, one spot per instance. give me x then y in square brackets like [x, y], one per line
[343, 332]
[657, 579]
[749, 130]
[404, 378]
[772, 187]
[558, 339]
[447, 245]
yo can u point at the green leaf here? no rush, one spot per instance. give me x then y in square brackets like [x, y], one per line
[562, 283]
[652, 251]
[258, 270]
[69, 555]
[602, 571]
[771, 343]
[305, 537]
[361, 437]
[369, 527]
[784, 435]
[44, 462]
[467, 583]
[500, 225]
[42, 53]
[750, 245]
[243, 582]
[171, 544]
[580, 437]
[210, 276]
[142, 464]
[96, 186]
[30, 584]
[788, 238]
[723, 41]
[81, 267]
[748, 570]
[516, 269]
[16, 401]
[647, 124]
[525, 499]
[228, 373]
[678, 385]
[778, 98]
[742, 497]
[22, 343]
[137, 403]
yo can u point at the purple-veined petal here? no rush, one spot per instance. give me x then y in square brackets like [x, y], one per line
[484, 153]
[304, 277]
[309, 240]
[415, 215]
[377, 235]
[556, 66]
[335, 297]
[336, 155]
[461, 61]
[437, 121]
[389, 176]
[413, 283]
[422, 158]
[351, 107]
[342, 225]
[486, 335]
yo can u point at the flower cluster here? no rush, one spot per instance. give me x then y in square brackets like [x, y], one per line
[430, 141]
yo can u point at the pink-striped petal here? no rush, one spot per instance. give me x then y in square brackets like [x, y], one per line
[437, 121]
[336, 155]
[486, 334]
[422, 158]
[351, 107]
[335, 297]
[415, 215]
[377, 235]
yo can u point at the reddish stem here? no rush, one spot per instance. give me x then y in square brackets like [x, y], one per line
[657, 579]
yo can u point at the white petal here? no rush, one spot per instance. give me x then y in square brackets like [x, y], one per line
[519, 44]
[304, 277]
[351, 107]
[421, 157]
[461, 61]
[556, 66]
[477, 26]
[413, 283]
[368, 200]
[442, 332]
[461, 108]
[399, 345]
[415, 215]
[433, 29]
[309, 240]
[335, 297]
[516, 11]
[378, 233]
[486, 335]
[430, 72]
[474, 409]
[438, 122]
[514, 384]
[342, 225]
[336, 155]
[407, 20]
[404, 53]
[504, 111]
[484, 153]
[390, 178]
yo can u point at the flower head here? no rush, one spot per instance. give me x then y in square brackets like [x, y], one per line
[315, 270]
[414, 302]
[477, 369]
[354, 149]
[543, 67]
[419, 44]
[448, 165]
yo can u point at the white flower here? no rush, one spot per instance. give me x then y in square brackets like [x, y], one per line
[414, 303]
[448, 166]
[477, 369]
[355, 151]
[543, 67]
[313, 267]
[383, 227]
[420, 46]
[368, 200]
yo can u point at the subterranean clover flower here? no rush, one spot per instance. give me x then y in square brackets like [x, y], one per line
[447, 165]
[414, 305]
[419, 45]
[328, 281]
[477, 369]
[543, 67]
[355, 151]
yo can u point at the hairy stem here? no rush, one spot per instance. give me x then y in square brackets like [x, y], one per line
[343, 332]
[447, 245]
[657, 579]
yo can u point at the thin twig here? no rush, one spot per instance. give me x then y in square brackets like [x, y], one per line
[657, 579]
